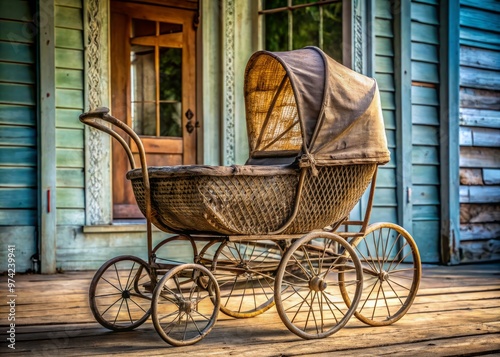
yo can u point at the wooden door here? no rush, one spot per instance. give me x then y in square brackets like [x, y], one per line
[153, 89]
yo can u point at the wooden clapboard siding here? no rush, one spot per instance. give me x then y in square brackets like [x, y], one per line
[425, 195]
[385, 203]
[479, 130]
[69, 80]
[18, 132]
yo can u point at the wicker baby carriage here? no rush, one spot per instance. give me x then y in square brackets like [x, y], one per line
[316, 137]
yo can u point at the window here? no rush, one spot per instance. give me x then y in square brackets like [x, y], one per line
[293, 24]
[156, 78]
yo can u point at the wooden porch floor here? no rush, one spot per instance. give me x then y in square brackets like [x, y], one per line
[456, 313]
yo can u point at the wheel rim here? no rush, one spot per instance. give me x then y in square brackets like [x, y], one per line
[120, 293]
[185, 304]
[392, 272]
[245, 273]
[308, 298]
[174, 251]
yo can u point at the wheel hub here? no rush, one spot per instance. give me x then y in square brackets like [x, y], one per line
[383, 276]
[185, 306]
[126, 294]
[317, 284]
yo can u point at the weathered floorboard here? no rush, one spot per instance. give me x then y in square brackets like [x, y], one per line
[456, 312]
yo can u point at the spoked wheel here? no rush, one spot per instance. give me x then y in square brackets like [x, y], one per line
[173, 251]
[307, 292]
[185, 305]
[245, 272]
[120, 293]
[392, 272]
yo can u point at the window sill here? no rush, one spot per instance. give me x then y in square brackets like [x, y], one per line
[119, 227]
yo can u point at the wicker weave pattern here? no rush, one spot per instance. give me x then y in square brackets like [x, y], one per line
[225, 205]
[242, 204]
[329, 197]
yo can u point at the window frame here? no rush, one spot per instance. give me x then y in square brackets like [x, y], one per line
[347, 23]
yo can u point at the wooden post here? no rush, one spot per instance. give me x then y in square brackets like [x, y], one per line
[402, 74]
[47, 138]
[449, 130]
[209, 91]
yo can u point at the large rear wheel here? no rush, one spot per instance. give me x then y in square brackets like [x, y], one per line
[245, 272]
[391, 271]
[307, 287]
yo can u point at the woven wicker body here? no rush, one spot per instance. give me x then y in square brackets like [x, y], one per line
[246, 200]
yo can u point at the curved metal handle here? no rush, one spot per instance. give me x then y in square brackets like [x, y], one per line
[91, 118]
[102, 113]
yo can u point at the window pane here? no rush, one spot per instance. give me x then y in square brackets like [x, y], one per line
[144, 118]
[170, 91]
[166, 27]
[273, 4]
[143, 28]
[171, 119]
[332, 30]
[171, 74]
[277, 31]
[143, 92]
[306, 27]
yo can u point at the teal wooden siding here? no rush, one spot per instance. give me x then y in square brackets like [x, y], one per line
[70, 162]
[425, 195]
[479, 130]
[385, 203]
[18, 132]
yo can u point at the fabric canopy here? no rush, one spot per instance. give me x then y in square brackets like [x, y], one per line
[304, 104]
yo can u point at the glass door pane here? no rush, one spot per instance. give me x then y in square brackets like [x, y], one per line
[143, 90]
[170, 91]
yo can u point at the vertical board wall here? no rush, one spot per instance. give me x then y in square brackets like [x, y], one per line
[479, 130]
[18, 132]
[385, 202]
[69, 62]
[425, 195]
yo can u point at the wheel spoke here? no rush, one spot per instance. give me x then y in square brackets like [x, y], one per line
[195, 324]
[139, 306]
[308, 260]
[107, 281]
[118, 313]
[107, 295]
[118, 277]
[110, 306]
[128, 311]
[168, 315]
[385, 300]
[129, 275]
[330, 303]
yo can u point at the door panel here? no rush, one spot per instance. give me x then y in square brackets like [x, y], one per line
[153, 89]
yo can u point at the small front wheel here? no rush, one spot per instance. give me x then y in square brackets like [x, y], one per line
[120, 293]
[307, 287]
[186, 304]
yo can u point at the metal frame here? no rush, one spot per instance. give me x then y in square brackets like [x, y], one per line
[103, 114]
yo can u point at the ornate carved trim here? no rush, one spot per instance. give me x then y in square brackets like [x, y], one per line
[229, 84]
[357, 17]
[97, 147]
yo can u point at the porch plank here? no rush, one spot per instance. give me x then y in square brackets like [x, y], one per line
[457, 311]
